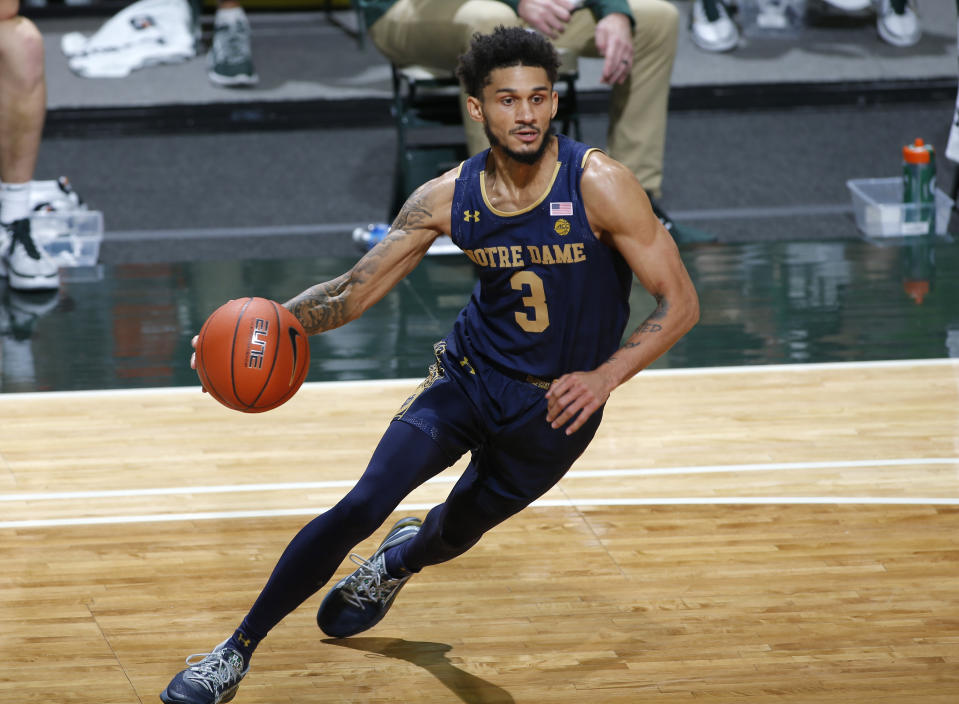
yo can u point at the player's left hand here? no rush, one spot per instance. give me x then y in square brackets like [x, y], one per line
[193, 358]
[615, 43]
[577, 395]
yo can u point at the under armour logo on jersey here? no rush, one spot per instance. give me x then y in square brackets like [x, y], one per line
[471, 216]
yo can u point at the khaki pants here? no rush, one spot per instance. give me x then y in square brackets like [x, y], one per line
[434, 33]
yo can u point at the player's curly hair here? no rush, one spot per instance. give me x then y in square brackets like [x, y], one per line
[505, 46]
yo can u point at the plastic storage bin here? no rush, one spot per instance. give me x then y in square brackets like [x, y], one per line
[70, 238]
[773, 19]
[880, 212]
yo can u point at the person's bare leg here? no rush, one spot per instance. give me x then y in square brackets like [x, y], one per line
[23, 96]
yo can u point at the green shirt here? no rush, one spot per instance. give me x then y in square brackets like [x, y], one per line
[374, 9]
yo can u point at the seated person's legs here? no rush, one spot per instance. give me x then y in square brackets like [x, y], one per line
[638, 108]
[23, 105]
[433, 33]
[22, 97]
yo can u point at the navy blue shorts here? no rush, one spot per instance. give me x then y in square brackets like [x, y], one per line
[465, 405]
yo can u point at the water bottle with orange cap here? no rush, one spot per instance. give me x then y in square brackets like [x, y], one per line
[919, 182]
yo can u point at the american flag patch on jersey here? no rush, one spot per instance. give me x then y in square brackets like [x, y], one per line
[565, 208]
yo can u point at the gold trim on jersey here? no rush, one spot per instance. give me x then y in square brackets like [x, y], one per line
[587, 154]
[505, 214]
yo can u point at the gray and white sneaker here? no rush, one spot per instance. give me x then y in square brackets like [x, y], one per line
[56, 194]
[231, 55]
[213, 679]
[52, 197]
[850, 5]
[711, 27]
[899, 29]
[27, 266]
[358, 602]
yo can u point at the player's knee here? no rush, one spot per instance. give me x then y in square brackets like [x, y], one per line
[21, 52]
[360, 516]
[470, 518]
[484, 17]
[657, 23]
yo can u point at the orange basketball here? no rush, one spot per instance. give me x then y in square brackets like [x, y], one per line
[252, 354]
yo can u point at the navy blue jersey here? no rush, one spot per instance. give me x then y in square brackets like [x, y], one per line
[551, 298]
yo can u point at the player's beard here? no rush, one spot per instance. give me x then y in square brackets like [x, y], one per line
[528, 158]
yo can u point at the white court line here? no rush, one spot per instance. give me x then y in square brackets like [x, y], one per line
[544, 503]
[572, 474]
[781, 368]
[15, 397]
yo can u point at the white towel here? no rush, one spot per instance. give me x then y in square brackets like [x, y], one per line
[146, 33]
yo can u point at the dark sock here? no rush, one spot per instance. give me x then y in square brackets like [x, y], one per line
[244, 641]
[393, 559]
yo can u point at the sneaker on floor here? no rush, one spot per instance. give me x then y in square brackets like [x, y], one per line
[898, 29]
[52, 197]
[850, 5]
[358, 602]
[28, 267]
[662, 215]
[231, 55]
[56, 194]
[213, 679]
[682, 234]
[711, 27]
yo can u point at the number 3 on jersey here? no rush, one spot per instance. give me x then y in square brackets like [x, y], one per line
[535, 300]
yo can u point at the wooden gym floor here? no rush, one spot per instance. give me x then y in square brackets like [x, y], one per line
[768, 534]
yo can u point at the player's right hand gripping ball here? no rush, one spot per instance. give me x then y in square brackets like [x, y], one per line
[252, 354]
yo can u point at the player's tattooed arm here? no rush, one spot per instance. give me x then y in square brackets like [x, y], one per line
[416, 211]
[415, 214]
[328, 305]
[648, 327]
[336, 302]
[321, 307]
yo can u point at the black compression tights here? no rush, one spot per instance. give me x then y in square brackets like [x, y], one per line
[404, 459]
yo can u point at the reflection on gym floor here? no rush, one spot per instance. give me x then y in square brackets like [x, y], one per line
[129, 326]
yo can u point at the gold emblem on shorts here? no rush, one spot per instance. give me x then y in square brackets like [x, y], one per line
[561, 226]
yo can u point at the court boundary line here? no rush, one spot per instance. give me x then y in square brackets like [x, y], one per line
[685, 371]
[543, 503]
[572, 474]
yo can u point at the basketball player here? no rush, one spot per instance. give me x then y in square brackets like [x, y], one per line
[557, 231]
